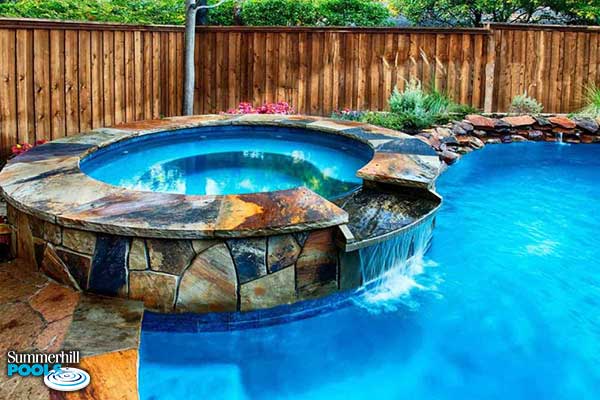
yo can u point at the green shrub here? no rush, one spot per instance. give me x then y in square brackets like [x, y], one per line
[122, 11]
[386, 120]
[415, 108]
[592, 99]
[523, 104]
[459, 111]
[278, 12]
[224, 14]
[353, 13]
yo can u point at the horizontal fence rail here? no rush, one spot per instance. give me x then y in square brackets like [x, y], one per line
[61, 78]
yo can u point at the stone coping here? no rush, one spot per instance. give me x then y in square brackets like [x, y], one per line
[46, 182]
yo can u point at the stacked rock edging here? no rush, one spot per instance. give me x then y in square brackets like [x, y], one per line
[453, 140]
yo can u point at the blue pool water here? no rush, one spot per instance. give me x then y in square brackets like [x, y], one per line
[507, 305]
[232, 160]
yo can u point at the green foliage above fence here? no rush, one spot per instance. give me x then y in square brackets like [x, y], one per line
[353, 12]
[313, 12]
[124, 11]
[477, 12]
[278, 12]
[232, 12]
[225, 14]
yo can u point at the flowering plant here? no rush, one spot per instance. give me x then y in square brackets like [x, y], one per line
[281, 107]
[21, 148]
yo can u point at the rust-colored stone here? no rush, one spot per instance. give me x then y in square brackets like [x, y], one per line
[519, 121]
[80, 241]
[52, 233]
[171, 256]
[53, 336]
[114, 376]
[402, 169]
[269, 291]
[54, 302]
[14, 289]
[157, 290]
[20, 326]
[79, 265]
[138, 257]
[210, 283]
[283, 251]
[201, 245]
[55, 268]
[25, 248]
[562, 122]
[481, 122]
[317, 264]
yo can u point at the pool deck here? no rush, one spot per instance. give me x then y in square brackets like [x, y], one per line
[35, 183]
[39, 315]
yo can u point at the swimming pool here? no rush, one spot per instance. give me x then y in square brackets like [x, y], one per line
[224, 160]
[507, 305]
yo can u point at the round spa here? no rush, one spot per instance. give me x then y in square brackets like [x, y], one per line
[222, 212]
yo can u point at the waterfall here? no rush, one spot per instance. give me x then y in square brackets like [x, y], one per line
[559, 137]
[388, 268]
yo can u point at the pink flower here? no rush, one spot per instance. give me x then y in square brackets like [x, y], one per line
[25, 147]
[267, 108]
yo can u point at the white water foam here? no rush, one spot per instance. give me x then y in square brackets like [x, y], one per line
[389, 269]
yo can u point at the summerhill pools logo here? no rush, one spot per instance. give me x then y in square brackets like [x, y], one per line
[49, 365]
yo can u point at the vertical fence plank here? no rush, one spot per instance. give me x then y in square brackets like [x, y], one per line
[120, 77]
[478, 72]
[221, 71]
[8, 93]
[57, 83]
[348, 81]
[364, 44]
[465, 70]
[553, 91]
[489, 90]
[72, 82]
[271, 67]
[179, 81]
[581, 61]
[441, 63]
[138, 73]
[283, 61]
[97, 80]
[336, 69]
[147, 75]
[108, 77]
[164, 61]
[156, 77]
[198, 86]
[41, 71]
[24, 59]
[172, 75]
[570, 46]
[590, 79]
[130, 111]
[303, 67]
[85, 79]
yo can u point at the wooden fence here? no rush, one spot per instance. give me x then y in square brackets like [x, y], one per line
[59, 78]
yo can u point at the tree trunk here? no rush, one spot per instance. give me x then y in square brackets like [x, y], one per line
[190, 44]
